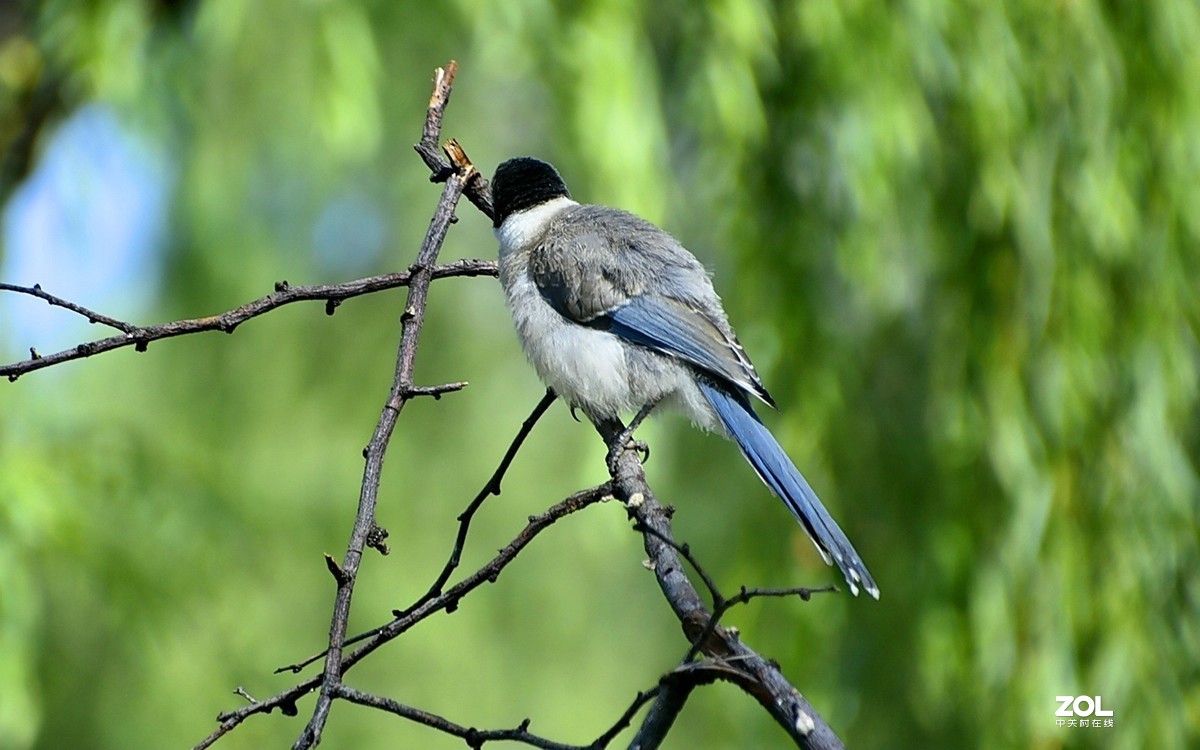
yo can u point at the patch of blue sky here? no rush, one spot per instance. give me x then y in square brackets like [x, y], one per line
[90, 224]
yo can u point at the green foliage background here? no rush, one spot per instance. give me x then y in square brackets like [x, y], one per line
[960, 240]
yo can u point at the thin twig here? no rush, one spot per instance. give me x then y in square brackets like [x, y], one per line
[429, 147]
[475, 738]
[720, 603]
[489, 573]
[284, 294]
[436, 391]
[491, 488]
[722, 606]
[685, 552]
[91, 315]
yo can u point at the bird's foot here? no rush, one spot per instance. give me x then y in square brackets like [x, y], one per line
[620, 446]
[624, 440]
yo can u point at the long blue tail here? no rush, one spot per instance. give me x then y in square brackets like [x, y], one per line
[779, 473]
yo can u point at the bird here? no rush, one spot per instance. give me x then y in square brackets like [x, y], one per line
[617, 316]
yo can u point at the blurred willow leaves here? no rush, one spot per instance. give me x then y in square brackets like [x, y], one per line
[960, 239]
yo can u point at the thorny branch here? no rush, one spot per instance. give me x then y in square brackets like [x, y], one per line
[726, 657]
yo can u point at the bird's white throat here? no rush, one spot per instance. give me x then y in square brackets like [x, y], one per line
[523, 227]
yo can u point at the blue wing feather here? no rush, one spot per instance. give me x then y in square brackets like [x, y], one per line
[670, 327]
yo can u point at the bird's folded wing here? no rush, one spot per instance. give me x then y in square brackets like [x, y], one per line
[673, 328]
[633, 279]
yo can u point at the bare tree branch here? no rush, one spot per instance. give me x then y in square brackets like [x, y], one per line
[92, 317]
[473, 737]
[492, 487]
[364, 524]
[489, 573]
[672, 696]
[763, 680]
[447, 601]
[720, 603]
[140, 336]
[439, 165]
[476, 738]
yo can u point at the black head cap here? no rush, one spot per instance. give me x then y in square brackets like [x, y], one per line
[523, 183]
